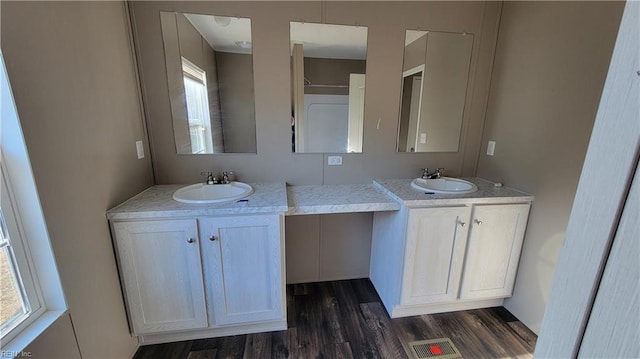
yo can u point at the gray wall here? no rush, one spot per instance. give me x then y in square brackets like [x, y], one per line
[71, 70]
[328, 247]
[235, 77]
[414, 53]
[274, 161]
[551, 63]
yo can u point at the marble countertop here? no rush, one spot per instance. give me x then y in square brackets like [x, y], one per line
[323, 199]
[157, 201]
[382, 195]
[401, 190]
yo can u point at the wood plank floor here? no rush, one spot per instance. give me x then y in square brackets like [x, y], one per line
[345, 319]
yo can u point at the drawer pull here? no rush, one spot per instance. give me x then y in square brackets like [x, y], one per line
[190, 240]
[212, 238]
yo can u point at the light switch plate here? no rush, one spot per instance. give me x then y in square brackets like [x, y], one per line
[140, 149]
[491, 148]
[334, 160]
[423, 138]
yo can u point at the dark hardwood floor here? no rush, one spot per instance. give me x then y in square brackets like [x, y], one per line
[345, 319]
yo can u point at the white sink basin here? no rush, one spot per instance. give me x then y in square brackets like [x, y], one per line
[212, 193]
[446, 185]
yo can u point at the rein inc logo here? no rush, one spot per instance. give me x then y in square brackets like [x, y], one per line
[15, 354]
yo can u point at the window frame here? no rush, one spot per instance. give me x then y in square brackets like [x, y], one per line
[25, 202]
[194, 73]
[20, 258]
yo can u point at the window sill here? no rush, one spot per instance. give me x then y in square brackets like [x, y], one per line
[30, 333]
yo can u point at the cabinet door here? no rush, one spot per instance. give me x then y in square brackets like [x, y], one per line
[243, 264]
[434, 254]
[493, 250]
[162, 275]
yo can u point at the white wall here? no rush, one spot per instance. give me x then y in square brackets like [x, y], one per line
[73, 78]
[550, 66]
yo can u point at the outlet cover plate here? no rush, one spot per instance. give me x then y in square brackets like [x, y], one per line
[334, 160]
[491, 148]
[140, 149]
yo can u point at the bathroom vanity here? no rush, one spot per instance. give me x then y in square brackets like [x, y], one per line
[442, 253]
[193, 271]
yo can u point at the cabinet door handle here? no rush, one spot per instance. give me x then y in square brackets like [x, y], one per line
[212, 238]
[190, 240]
[462, 224]
[479, 222]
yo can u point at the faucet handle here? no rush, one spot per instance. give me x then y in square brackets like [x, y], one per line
[231, 176]
[209, 177]
[425, 172]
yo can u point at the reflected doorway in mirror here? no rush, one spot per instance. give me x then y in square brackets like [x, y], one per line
[328, 64]
[434, 88]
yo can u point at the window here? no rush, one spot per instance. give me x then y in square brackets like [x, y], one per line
[196, 94]
[31, 296]
[20, 298]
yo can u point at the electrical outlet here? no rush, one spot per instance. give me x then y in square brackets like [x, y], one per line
[140, 149]
[334, 160]
[491, 148]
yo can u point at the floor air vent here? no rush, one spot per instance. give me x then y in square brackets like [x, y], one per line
[441, 348]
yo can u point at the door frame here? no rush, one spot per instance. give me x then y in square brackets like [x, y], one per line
[611, 160]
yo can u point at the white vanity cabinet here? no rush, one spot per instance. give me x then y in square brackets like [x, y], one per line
[161, 275]
[493, 250]
[436, 239]
[202, 277]
[447, 257]
[242, 261]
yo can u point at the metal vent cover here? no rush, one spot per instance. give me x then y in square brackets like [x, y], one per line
[441, 348]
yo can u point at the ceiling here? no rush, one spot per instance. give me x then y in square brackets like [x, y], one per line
[330, 41]
[223, 33]
[413, 35]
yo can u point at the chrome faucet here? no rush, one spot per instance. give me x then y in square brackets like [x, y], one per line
[433, 175]
[210, 179]
[227, 177]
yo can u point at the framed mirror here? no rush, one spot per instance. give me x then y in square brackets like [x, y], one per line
[434, 87]
[328, 64]
[210, 77]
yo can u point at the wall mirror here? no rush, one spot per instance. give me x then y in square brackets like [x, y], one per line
[434, 87]
[328, 65]
[210, 77]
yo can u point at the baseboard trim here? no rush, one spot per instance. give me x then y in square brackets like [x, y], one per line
[406, 311]
[213, 332]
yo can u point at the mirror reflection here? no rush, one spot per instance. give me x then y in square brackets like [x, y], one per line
[210, 78]
[328, 65]
[434, 87]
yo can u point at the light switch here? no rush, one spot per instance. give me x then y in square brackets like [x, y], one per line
[491, 147]
[140, 149]
[423, 138]
[334, 160]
